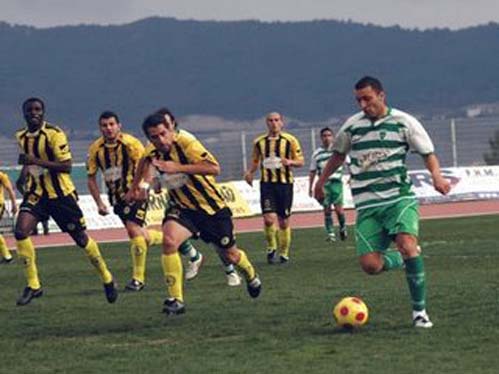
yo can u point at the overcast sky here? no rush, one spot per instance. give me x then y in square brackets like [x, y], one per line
[406, 13]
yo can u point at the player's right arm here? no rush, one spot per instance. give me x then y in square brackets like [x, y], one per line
[253, 166]
[92, 184]
[139, 189]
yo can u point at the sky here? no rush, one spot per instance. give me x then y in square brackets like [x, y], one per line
[421, 14]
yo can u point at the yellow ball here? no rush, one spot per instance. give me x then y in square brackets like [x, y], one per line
[351, 312]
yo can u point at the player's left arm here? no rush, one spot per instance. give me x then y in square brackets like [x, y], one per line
[440, 184]
[62, 153]
[296, 159]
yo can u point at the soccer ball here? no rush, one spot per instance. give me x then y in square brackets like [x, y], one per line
[350, 312]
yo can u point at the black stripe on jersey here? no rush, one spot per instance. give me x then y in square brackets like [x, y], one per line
[215, 190]
[125, 168]
[195, 181]
[30, 179]
[107, 165]
[53, 174]
[278, 153]
[288, 156]
[267, 154]
[36, 153]
[98, 157]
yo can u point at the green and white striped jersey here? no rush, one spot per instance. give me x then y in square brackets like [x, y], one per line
[319, 161]
[378, 152]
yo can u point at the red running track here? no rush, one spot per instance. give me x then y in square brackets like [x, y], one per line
[299, 220]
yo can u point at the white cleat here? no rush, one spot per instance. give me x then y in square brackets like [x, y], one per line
[233, 279]
[331, 237]
[421, 319]
[192, 268]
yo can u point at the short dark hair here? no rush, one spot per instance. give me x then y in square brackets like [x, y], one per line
[165, 111]
[108, 114]
[153, 120]
[368, 81]
[33, 100]
[324, 129]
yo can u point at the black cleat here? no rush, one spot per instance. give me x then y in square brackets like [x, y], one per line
[254, 287]
[28, 295]
[173, 307]
[283, 259]
[7, 261]
[134, 286]
[343, 234]
[111, 292]
[271, 257]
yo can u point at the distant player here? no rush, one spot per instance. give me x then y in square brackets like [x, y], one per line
[276, 153]
[333, 189]
[378, 139]
[49, 191]
[197, 207]
[5, 255]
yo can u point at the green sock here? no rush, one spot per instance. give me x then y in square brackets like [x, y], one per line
[414, 269]
[328, 222]
[392, 260]
[187, 249]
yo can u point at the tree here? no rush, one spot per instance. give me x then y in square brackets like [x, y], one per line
[492, 157]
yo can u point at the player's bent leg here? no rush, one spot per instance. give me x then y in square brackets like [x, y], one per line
[5, 255]
[231, 275]
[340, 213]
[328, 223]
[196, 259]
[138, 252]
[284, 237]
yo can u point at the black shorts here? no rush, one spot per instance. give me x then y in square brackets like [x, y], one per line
[64, 210]
[217, 229]
[276, 198]
[135, 212]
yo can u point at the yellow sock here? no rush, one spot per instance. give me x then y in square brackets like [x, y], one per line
[26, 253]
[4, 250]
[270, 237]
[245, 265]
[155, 237]
[138, 250]
[284, 241]
[173, 272]
[95, 257]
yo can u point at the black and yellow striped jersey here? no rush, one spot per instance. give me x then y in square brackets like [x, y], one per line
[4, 181]
[195, 192]
[118, 163]
[49, 143]
[268, 151]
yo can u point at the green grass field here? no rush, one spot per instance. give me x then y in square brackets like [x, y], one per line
[289, 329]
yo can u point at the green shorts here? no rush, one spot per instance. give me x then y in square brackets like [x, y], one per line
[333, 193]
[376, 228]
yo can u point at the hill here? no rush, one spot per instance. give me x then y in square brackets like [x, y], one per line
[239, 70]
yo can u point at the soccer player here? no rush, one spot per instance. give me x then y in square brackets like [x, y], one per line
[277, 153]
[232, 276]
[333, 189]
[378, 139]
[197, 207]
[117, 154]
[49, 191]
[5, 255]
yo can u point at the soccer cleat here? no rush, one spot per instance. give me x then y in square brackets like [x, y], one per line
[28, 295]
[283, 259]
[331, 237]
[134, 286]
[343, 234]
[193, 267]
[254, 287]
[271, 256]
[233, 279]
[7, 261]
[421, 319]
[111, 292]
[173, 307]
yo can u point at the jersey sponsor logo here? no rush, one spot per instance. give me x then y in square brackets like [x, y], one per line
[174, 181]
[272, 163]
[35, 170]
[369, 159]
[113, 174]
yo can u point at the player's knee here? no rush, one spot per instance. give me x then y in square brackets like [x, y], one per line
[371, 265]
[20, 234]
[170, 243]
[232, 255]
[80, 238]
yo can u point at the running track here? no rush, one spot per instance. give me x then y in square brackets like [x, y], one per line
[299, 220]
